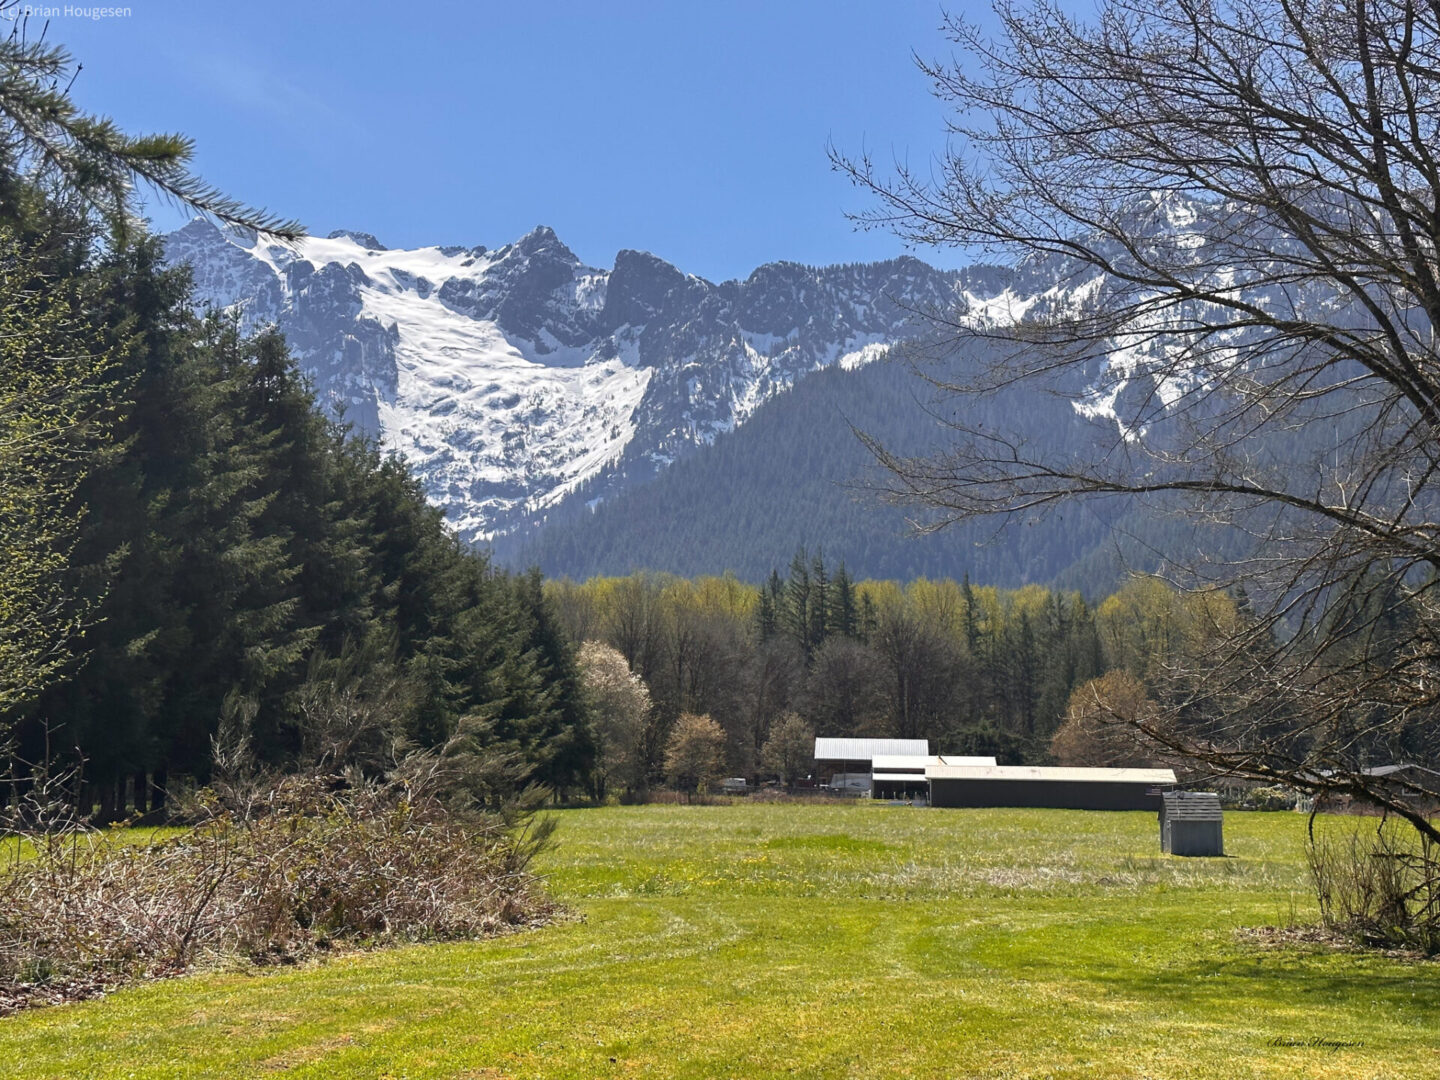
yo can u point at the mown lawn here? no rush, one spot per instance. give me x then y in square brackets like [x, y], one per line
[19, 848]
[816, 941]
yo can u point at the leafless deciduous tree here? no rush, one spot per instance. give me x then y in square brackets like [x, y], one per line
[1232, 209]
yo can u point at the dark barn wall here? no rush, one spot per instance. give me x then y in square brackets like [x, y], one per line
[1053, 794]
[1196, 838]
[898, 789]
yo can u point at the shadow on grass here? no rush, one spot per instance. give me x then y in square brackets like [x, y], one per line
[1250, 982]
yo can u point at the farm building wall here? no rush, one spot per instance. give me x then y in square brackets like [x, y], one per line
[894, 787]
[1054, 794]
[1194, 838]
[826, 770]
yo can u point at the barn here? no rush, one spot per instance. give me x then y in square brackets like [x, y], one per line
[1057, 788]
[855, 758]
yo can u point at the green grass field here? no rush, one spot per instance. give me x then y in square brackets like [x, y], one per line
[816, 941]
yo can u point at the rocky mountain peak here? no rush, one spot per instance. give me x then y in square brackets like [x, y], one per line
[638, 289]
[364, 239]
[511, 378]
[540, 243]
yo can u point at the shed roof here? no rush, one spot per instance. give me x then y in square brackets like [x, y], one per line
[921, 762]
[947, 771]
[1192, 806]
[1402, 766]
[899, 777]
[901, 762]
[867, 749]
[948, 759]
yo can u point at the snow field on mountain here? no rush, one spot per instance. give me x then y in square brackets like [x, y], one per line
[474, 411]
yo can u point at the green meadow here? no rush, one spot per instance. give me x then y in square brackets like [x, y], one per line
[861, 940]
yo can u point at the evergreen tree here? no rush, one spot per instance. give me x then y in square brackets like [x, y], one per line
[844, 615]
[972, 617]
[820, 600]
[795, 615]
[767, 611]
[869, 618]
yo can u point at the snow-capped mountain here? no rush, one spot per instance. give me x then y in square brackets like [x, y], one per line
[508, 378]
[537, 398]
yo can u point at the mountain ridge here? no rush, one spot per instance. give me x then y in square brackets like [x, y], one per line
[509, 377]
[526, 389]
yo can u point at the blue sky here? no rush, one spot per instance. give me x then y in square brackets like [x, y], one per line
[696, 130]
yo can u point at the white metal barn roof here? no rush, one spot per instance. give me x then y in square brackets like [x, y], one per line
[964, 762]
[919, 762]
[867, 749]
[901, 762]
[947, 771]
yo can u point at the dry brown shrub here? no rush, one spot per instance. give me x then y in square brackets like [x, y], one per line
[1379, 887]
[312, 863]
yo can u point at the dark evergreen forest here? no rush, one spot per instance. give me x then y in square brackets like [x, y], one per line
[241, 563]
[796, 474]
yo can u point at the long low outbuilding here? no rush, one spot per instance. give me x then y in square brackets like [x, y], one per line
[1056, 788]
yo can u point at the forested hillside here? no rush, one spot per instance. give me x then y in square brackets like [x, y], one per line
[796, 474]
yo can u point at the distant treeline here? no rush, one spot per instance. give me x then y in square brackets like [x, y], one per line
[974, 669]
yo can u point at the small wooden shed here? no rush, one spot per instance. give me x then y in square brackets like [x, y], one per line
[1191, 823]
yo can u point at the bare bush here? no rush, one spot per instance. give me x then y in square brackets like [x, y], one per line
[313, 864]
[1379, 887]
[40, 796]
[1098, 727]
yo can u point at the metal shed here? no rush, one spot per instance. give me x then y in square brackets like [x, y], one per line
[1191, 823]
[1063, 789]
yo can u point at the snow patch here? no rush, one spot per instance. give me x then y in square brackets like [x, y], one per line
[866, 354]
